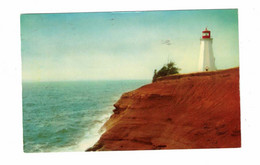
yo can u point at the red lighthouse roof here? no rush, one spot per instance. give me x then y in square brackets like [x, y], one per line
[206, 33]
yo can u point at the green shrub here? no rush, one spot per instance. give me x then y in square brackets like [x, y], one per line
[167, 69]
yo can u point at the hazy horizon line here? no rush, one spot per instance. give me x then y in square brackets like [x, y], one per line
[35, 81]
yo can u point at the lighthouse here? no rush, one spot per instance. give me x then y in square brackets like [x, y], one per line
[206, 59]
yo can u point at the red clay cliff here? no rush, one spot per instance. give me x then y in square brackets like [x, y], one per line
[198, 110]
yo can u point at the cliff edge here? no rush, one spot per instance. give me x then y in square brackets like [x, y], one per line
[198, 110]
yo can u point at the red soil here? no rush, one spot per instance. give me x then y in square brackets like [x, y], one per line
[199, 110]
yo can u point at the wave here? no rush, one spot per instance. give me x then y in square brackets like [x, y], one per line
[30, 104]
[71, 122]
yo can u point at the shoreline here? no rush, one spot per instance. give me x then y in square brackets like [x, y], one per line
[101, 128]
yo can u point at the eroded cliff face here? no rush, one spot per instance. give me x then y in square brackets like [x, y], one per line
[199, 110]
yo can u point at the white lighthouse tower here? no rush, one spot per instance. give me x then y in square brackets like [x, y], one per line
[206, 59]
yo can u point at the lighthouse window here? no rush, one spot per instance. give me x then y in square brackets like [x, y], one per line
[206, 34]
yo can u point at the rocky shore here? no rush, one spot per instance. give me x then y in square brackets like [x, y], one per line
[198, 110]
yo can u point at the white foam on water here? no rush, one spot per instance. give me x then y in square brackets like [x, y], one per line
[96, 131]
[94, 134]
[91, 137]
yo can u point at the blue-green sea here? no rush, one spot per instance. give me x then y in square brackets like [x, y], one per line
[67, 116]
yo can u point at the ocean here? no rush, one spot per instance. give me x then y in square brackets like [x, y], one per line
[68, 116]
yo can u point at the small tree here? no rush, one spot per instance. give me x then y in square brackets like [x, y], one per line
[154, 75]
[167, 69]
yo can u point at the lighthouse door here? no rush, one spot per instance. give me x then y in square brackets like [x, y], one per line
[206, 68]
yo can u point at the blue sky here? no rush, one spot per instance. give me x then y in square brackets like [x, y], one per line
[122, 45]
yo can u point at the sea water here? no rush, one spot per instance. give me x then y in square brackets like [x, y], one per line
[68, 116]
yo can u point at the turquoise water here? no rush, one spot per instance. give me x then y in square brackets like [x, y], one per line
[67, 116]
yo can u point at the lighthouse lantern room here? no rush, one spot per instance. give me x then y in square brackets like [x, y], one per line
[206, 59]
[206, 33]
